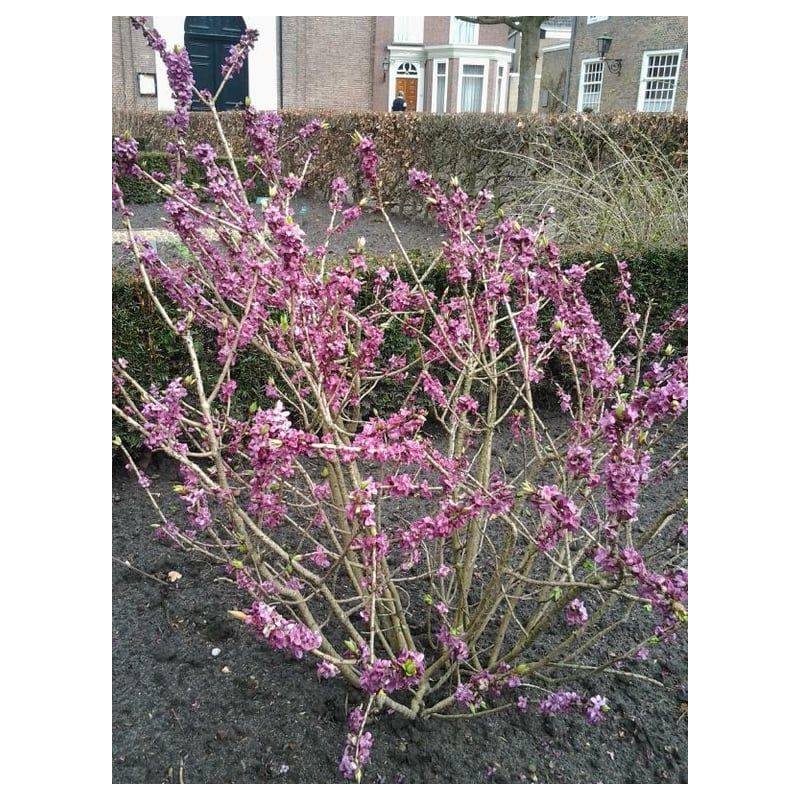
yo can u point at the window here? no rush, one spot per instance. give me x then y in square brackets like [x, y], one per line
[471, 96]
[463, 32]
[659, 80]
[409, 30]
[439, 96]
[592, 20]
[591, 85]
[499, 92]
[147, 84]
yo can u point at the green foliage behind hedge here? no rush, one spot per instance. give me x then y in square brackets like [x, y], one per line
[141, 190]
[155, 355]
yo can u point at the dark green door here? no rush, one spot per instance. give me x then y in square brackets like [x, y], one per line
[208, 40]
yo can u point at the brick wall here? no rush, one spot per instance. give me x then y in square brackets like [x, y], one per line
[129, 56]
[631, 36]
[384, 34]
[437, 30]
[327, 62]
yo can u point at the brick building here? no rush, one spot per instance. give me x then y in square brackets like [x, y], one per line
[440, 63]
[646, 66]
[346, 63]
[133, 68]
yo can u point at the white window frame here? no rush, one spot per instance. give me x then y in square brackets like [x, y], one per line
[584, 62]
[592, 20]
[473, 62]
[412, 28]
[643, 78]
[435, 84]
[501, 87]
[454, 23]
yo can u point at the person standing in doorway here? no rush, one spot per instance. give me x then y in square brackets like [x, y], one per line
[399, 103]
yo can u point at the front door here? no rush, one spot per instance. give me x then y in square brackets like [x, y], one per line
[406, 81]
[408, 86]
[208, 40]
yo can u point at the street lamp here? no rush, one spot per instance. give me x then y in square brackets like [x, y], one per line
[603, 46]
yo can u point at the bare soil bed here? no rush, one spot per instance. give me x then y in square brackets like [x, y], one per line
[252, 715]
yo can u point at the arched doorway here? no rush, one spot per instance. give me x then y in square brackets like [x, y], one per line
[406, 81]
[208, 40]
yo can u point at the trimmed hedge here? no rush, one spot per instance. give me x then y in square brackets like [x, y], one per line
[141, 190]
[501, 150]
[156, 356]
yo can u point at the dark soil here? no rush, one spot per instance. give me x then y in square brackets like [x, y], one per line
[252, 715]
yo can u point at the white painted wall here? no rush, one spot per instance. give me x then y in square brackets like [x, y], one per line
[262, 66]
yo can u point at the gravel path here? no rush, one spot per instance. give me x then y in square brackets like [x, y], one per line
[313, 215]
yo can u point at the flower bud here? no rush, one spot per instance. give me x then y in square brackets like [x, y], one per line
[240, 615]
[272, 191]
[619, 411]
[454, 182]
[409, 668]
[360, 244]
[669, 350]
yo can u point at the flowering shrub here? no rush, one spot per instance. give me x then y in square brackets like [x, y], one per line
[406, 554]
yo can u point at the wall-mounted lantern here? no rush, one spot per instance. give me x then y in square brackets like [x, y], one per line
[603, 46]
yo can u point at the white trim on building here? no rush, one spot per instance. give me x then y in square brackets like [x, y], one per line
[469, 51]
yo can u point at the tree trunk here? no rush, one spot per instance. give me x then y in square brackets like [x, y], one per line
[528, 56]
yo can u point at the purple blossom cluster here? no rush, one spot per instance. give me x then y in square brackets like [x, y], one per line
[281, 633]
[327, 670]
[453, 643]
[559, 515]
[358, 747]
[162, 416]
[273, 445]
[593, 708]
[486, 685]
[403, 672]
[194, 498]
[237, 55]
[179, 74]
[575, 613]
[368, 157]
[125, 150]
